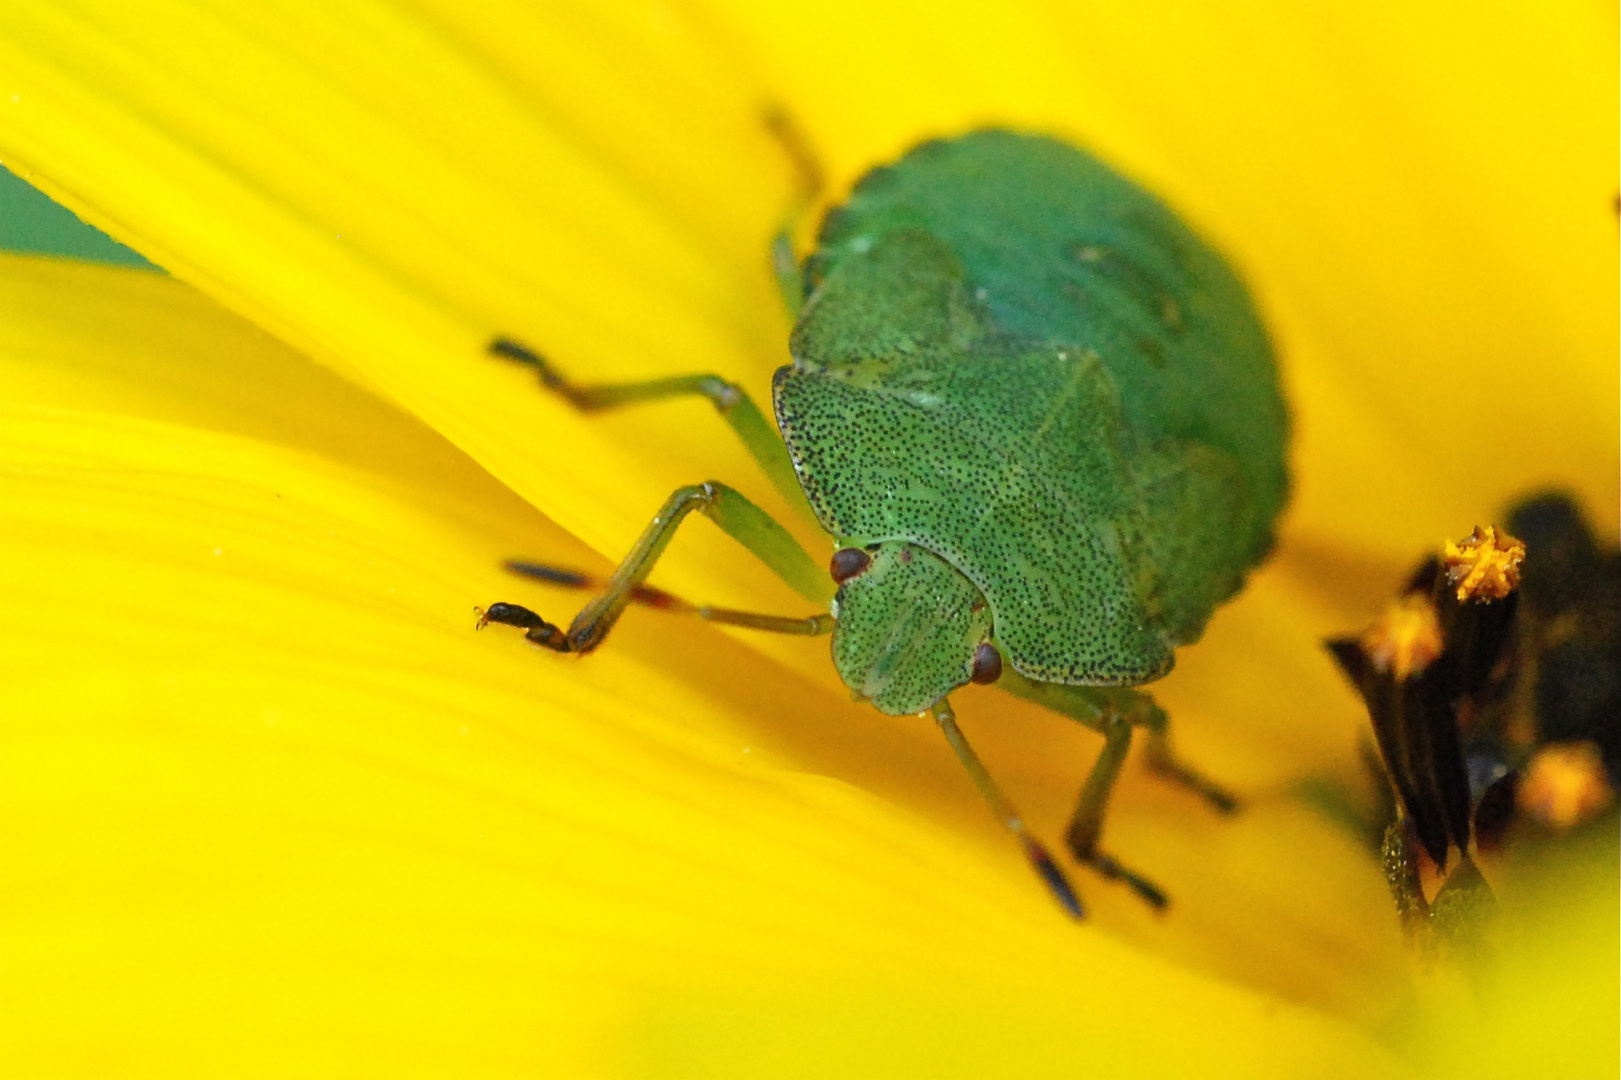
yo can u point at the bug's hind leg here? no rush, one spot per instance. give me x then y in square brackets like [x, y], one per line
[809, 182]
[1086, 824]
[1162, 759]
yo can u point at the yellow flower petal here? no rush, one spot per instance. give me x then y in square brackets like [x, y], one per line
[393, 238]
[270, 803]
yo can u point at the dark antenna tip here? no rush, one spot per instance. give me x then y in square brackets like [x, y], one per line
[1057, 883]
[513, 350]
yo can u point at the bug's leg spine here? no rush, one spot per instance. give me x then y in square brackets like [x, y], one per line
[1035, 851]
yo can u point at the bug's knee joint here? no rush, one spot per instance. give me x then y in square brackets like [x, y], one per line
[724, 394]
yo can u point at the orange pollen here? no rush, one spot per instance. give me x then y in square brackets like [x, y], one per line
[1564, 784]
[1485, 565]
[1405, 638]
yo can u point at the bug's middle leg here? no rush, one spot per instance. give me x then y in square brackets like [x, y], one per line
[1165, 761]
[757, 434]
[1086, 824]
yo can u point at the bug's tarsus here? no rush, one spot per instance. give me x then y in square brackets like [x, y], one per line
[507, 615]
[514, 350]
[1035, 851]
[535, 628]
[509, 349]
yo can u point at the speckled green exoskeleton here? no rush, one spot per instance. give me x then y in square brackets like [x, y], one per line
[1041, 422]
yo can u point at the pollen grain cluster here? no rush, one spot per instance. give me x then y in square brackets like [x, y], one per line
[1485, 565]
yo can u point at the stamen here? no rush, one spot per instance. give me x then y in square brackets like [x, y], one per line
[1405, 638]
[1564, 784]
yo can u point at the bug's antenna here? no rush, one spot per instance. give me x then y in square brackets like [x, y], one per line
[1040, 859]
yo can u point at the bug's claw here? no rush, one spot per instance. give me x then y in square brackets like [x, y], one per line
[509, 615]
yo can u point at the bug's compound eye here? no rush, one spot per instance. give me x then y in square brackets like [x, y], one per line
[987, 664]
[847, 563]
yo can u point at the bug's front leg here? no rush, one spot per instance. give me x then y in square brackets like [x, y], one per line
[737, 517]
[758, 434]
[513, 615]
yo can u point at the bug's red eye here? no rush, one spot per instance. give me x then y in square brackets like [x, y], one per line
[847, 563]
[987, 664]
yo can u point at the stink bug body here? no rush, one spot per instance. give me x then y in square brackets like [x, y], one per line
[1041, 422]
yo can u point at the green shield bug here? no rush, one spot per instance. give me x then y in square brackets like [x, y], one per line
[1041, 422]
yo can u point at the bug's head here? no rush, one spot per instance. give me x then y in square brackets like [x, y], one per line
[910, 627]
